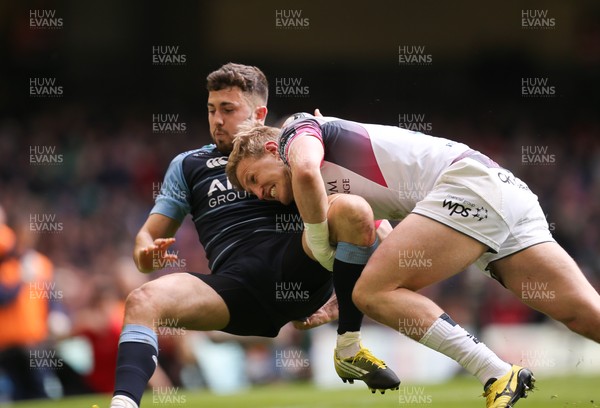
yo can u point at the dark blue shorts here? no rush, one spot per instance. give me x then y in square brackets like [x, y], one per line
[269, 282]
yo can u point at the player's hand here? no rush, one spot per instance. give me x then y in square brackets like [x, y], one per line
[158, 251]
[318, 113]
[327, 313]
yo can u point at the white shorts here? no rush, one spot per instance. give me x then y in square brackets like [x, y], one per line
[488, 204]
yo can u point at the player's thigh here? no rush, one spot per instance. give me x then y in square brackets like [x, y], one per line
[178, 299]
[418, 253]
[546, 278]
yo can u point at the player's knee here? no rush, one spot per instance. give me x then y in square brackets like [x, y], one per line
[352, 218]
[357, 209]
[141, 303]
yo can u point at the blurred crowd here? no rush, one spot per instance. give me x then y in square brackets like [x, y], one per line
[75, 190]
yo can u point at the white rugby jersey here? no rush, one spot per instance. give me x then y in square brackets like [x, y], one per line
[390, 167]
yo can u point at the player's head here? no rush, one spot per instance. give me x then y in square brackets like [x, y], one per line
[255, 166]
[236, 93]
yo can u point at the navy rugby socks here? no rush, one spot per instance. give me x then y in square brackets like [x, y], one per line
[349, 263]
[136, 361]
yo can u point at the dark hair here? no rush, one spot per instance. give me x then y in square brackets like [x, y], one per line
[249, 79]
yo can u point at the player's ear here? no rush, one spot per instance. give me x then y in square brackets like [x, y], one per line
[260, 113]
[272, 147]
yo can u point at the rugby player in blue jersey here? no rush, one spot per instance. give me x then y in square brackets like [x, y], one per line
[250, 253]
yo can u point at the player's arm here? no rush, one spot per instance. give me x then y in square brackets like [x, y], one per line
[304, 156]
[170, 208]
[326, 313]
[152, 242]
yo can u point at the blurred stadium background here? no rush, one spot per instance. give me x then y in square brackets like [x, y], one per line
[97, 97]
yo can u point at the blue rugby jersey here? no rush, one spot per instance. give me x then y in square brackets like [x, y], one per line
[195, 183]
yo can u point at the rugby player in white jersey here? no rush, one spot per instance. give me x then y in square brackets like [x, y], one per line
[457, 207]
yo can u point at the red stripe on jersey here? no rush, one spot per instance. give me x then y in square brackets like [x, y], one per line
[348, 144]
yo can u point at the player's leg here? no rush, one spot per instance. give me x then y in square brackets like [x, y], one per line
[180, 300]
[480, 209]
[418, 253]
[546, 278]
[352, 230]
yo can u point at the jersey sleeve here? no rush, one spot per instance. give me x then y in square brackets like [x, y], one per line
[173, 199]
[304, 124]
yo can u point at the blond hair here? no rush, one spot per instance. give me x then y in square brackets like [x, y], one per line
[249, 142]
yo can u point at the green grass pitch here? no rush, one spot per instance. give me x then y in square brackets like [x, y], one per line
[565, 392]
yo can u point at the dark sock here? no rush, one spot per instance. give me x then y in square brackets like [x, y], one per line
[136, 361]
[345, 276]
[349, 263]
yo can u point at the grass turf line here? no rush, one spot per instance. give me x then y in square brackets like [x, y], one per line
[462, 392]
